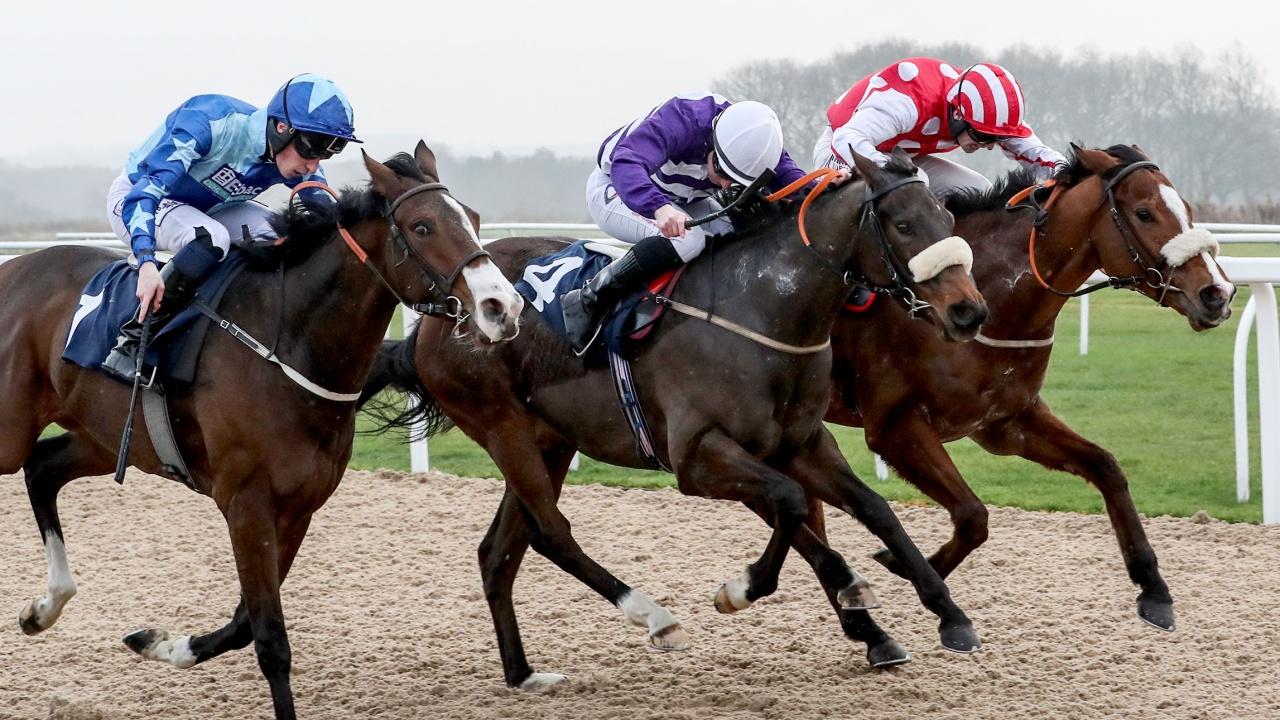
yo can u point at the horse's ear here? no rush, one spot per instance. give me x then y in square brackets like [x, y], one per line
[382, 179]
[1097, 161]
[1141, 152]
[867, 168]
[426, 160]
[472, 215]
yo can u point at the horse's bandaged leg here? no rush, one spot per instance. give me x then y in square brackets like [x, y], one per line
[665, 632]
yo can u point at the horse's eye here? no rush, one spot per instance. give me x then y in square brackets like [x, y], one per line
[904, 228]
[421, 229]
[1145, 215]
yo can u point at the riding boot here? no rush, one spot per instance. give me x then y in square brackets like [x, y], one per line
[584, 308]
[181, 276]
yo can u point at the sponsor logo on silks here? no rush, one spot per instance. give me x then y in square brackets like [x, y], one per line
[226, 184]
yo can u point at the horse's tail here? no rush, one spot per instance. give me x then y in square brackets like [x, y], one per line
[393, 368]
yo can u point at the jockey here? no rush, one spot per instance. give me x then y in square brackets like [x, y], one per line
[927, 107]
[188, 188]
[656, 172]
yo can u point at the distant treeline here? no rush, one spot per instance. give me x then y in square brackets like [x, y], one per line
[1211, 123]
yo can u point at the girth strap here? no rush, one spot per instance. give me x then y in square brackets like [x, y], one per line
[625, 385]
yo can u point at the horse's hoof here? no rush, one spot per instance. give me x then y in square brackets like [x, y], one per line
[156, 645]
[960, 639]
[27, 620]
[537, 682]
[670, 639]
[139, 640]
[732, 596]
[858, 596]
[887, 654]
[1157, 613]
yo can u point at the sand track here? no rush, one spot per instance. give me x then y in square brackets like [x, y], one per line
[387, 619]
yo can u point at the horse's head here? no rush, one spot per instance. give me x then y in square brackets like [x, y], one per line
[433, 240]
[905, 247]
[1140, 227]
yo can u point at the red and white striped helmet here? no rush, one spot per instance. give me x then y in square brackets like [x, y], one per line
[990, 100]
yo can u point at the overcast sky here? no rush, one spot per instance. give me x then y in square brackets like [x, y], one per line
[88, 81]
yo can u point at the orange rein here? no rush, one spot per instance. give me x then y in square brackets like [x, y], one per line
[826, 174]
[1035, 229]
[361, 255]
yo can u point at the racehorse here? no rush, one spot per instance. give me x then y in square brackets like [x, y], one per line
[1115, 211]
[735, 413]
[267, 451]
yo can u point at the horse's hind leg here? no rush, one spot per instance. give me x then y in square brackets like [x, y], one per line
[824, 473]
[1038, 435]
[849, 593]
[52, 464]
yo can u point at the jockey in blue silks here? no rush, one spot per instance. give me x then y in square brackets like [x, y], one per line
[656, 172]
[189, 188]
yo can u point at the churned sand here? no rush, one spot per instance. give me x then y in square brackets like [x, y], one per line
[387, 619]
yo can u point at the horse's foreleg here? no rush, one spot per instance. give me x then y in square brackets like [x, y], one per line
[185, 651]
[848, 592]
[718, 467]
[501, 553]
[52, 464]
[256, 530]
[910, 446]
[1039, 436]
[824, 473]
[527, 476]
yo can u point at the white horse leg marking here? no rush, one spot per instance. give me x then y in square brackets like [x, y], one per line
[176, 651]
[44, 612]
[538, 682]
[732, 596]
[665, 632]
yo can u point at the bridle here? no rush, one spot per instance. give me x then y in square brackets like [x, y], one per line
[1155, 273]
[440, 288]
[901, 281]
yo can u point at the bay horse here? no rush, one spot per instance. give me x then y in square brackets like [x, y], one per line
[267, 451]
[1115, 211]
[735, 418]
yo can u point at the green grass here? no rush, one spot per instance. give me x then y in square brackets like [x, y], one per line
[1152, 391]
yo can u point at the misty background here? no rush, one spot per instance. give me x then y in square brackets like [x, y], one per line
[1210, 119]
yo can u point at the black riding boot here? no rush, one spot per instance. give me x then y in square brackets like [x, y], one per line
[181, 275]
[584, 308]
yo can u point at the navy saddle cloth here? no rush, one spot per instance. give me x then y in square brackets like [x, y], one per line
[546, 279]
[109, 300]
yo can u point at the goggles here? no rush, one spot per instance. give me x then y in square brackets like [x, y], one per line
[314, 146]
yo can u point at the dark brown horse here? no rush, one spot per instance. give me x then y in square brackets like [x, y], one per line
[267, 451]
[1115, 212]
[734, 418]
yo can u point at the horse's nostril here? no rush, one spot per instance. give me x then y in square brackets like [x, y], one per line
[1213, 297]
[966, 315]
[492, 309]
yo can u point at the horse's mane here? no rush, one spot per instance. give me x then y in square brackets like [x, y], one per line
[971, 200]
[307, 225]
[766, 215]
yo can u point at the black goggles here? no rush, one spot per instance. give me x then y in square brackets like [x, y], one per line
[314, 146]
[983, 138]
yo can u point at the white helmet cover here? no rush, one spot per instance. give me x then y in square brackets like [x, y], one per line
[748, 140]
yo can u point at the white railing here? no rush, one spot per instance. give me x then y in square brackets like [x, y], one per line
[1260, 274]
